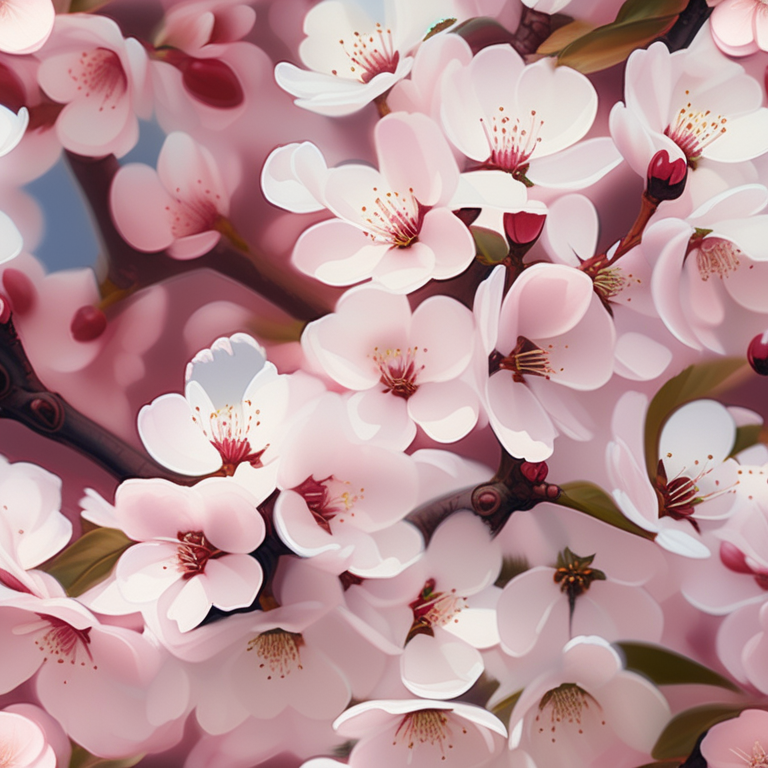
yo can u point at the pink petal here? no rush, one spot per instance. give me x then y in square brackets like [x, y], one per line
[450, 240]
[444, 329]
[145, 571]
[577, 167]
[194, 245]
[233, 581]
[191, 604]
[446, 411]
[403, 270]
[26, 25]
[231, 520]
[570, 232]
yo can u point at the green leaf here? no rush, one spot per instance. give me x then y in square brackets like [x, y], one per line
[503, 710]
[746, 437]
[86, 6]
[89, 560]
[673, 763]
[491, 247]
[664, 667]
[595, 502]
[694, 382]
[634, 10]
[679, 737]
[564, 36]
[612, 43]
[84, 759]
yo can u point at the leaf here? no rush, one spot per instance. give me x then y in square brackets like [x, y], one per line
[664, 667]
[595, 502]
[503, 710]
[491, 247]
[86, 6]
[564, 36]
[682, 732]
[89, 560]
[84, 759]
[694, 382]
[746, 437]
[633, 10]
[612, 43]
[672, 763]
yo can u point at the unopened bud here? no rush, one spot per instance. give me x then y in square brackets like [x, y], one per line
[209, 80]
[88, 324]
[20, 290]
[523, 228]
[666, 177]
[535, 472]
[757, 354]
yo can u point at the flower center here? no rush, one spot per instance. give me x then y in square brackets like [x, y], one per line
[60, 641]
[609, 282]
[512, 141]
[526, 358]
[370, 54]
[195, 214]
[228, 431]
[568, 705]
[398, 369]
[427, 726]
[693, 131]
[194, 552]
[433, 609]
[278, 652]
[328, 498]
[575, 574]
[394, 219]
[716, 256]
[99, 73]
[759, 757]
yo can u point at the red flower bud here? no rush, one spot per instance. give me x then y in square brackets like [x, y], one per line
[209, 80]
[523, 228]
[535, 472]
[88, 324]
[666, 177]
[757, 354]
[12, 92]
[20, 290]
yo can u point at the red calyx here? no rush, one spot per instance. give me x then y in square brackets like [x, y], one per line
[523, 228]
[666, 177]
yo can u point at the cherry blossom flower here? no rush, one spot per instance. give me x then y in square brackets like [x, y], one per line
[101, 78]
[550, 328]
[421, 732]
[738, 742]
[592, 582]
[739, 27]
[356, 52]
[707, 270]
[694, 480]
[405, 367]
[579, 711]
[228, 418]
[25, 25]
[194, 542]
[24, 743]
[394, 225]
[55, 738]
[528, 123]
[694, 103]
[343, 499]
[182, 207]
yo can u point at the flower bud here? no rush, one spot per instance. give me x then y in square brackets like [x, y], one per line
[757, 354]
[209, 80]
[88, 324]
[666, 177]
[535, 472]
[523, 228]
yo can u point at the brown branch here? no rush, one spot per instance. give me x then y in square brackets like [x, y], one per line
[130, 270]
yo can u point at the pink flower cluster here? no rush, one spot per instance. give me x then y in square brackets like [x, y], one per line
[402, 421]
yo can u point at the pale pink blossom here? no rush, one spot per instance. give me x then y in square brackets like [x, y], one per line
[740, 27]
[342, 499]
[391, 734]
[101, 79]
[527, 123]
[739, 742]
[694, 481]
[355, 52]
[25, 25]
[695, 103]
[406, 367]
[708, 269]
[24, 743]
[229, 417]
[395, 224]
[193, 543]
[55, 738]
[181, 207]
[550, 328]
[587, 707]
